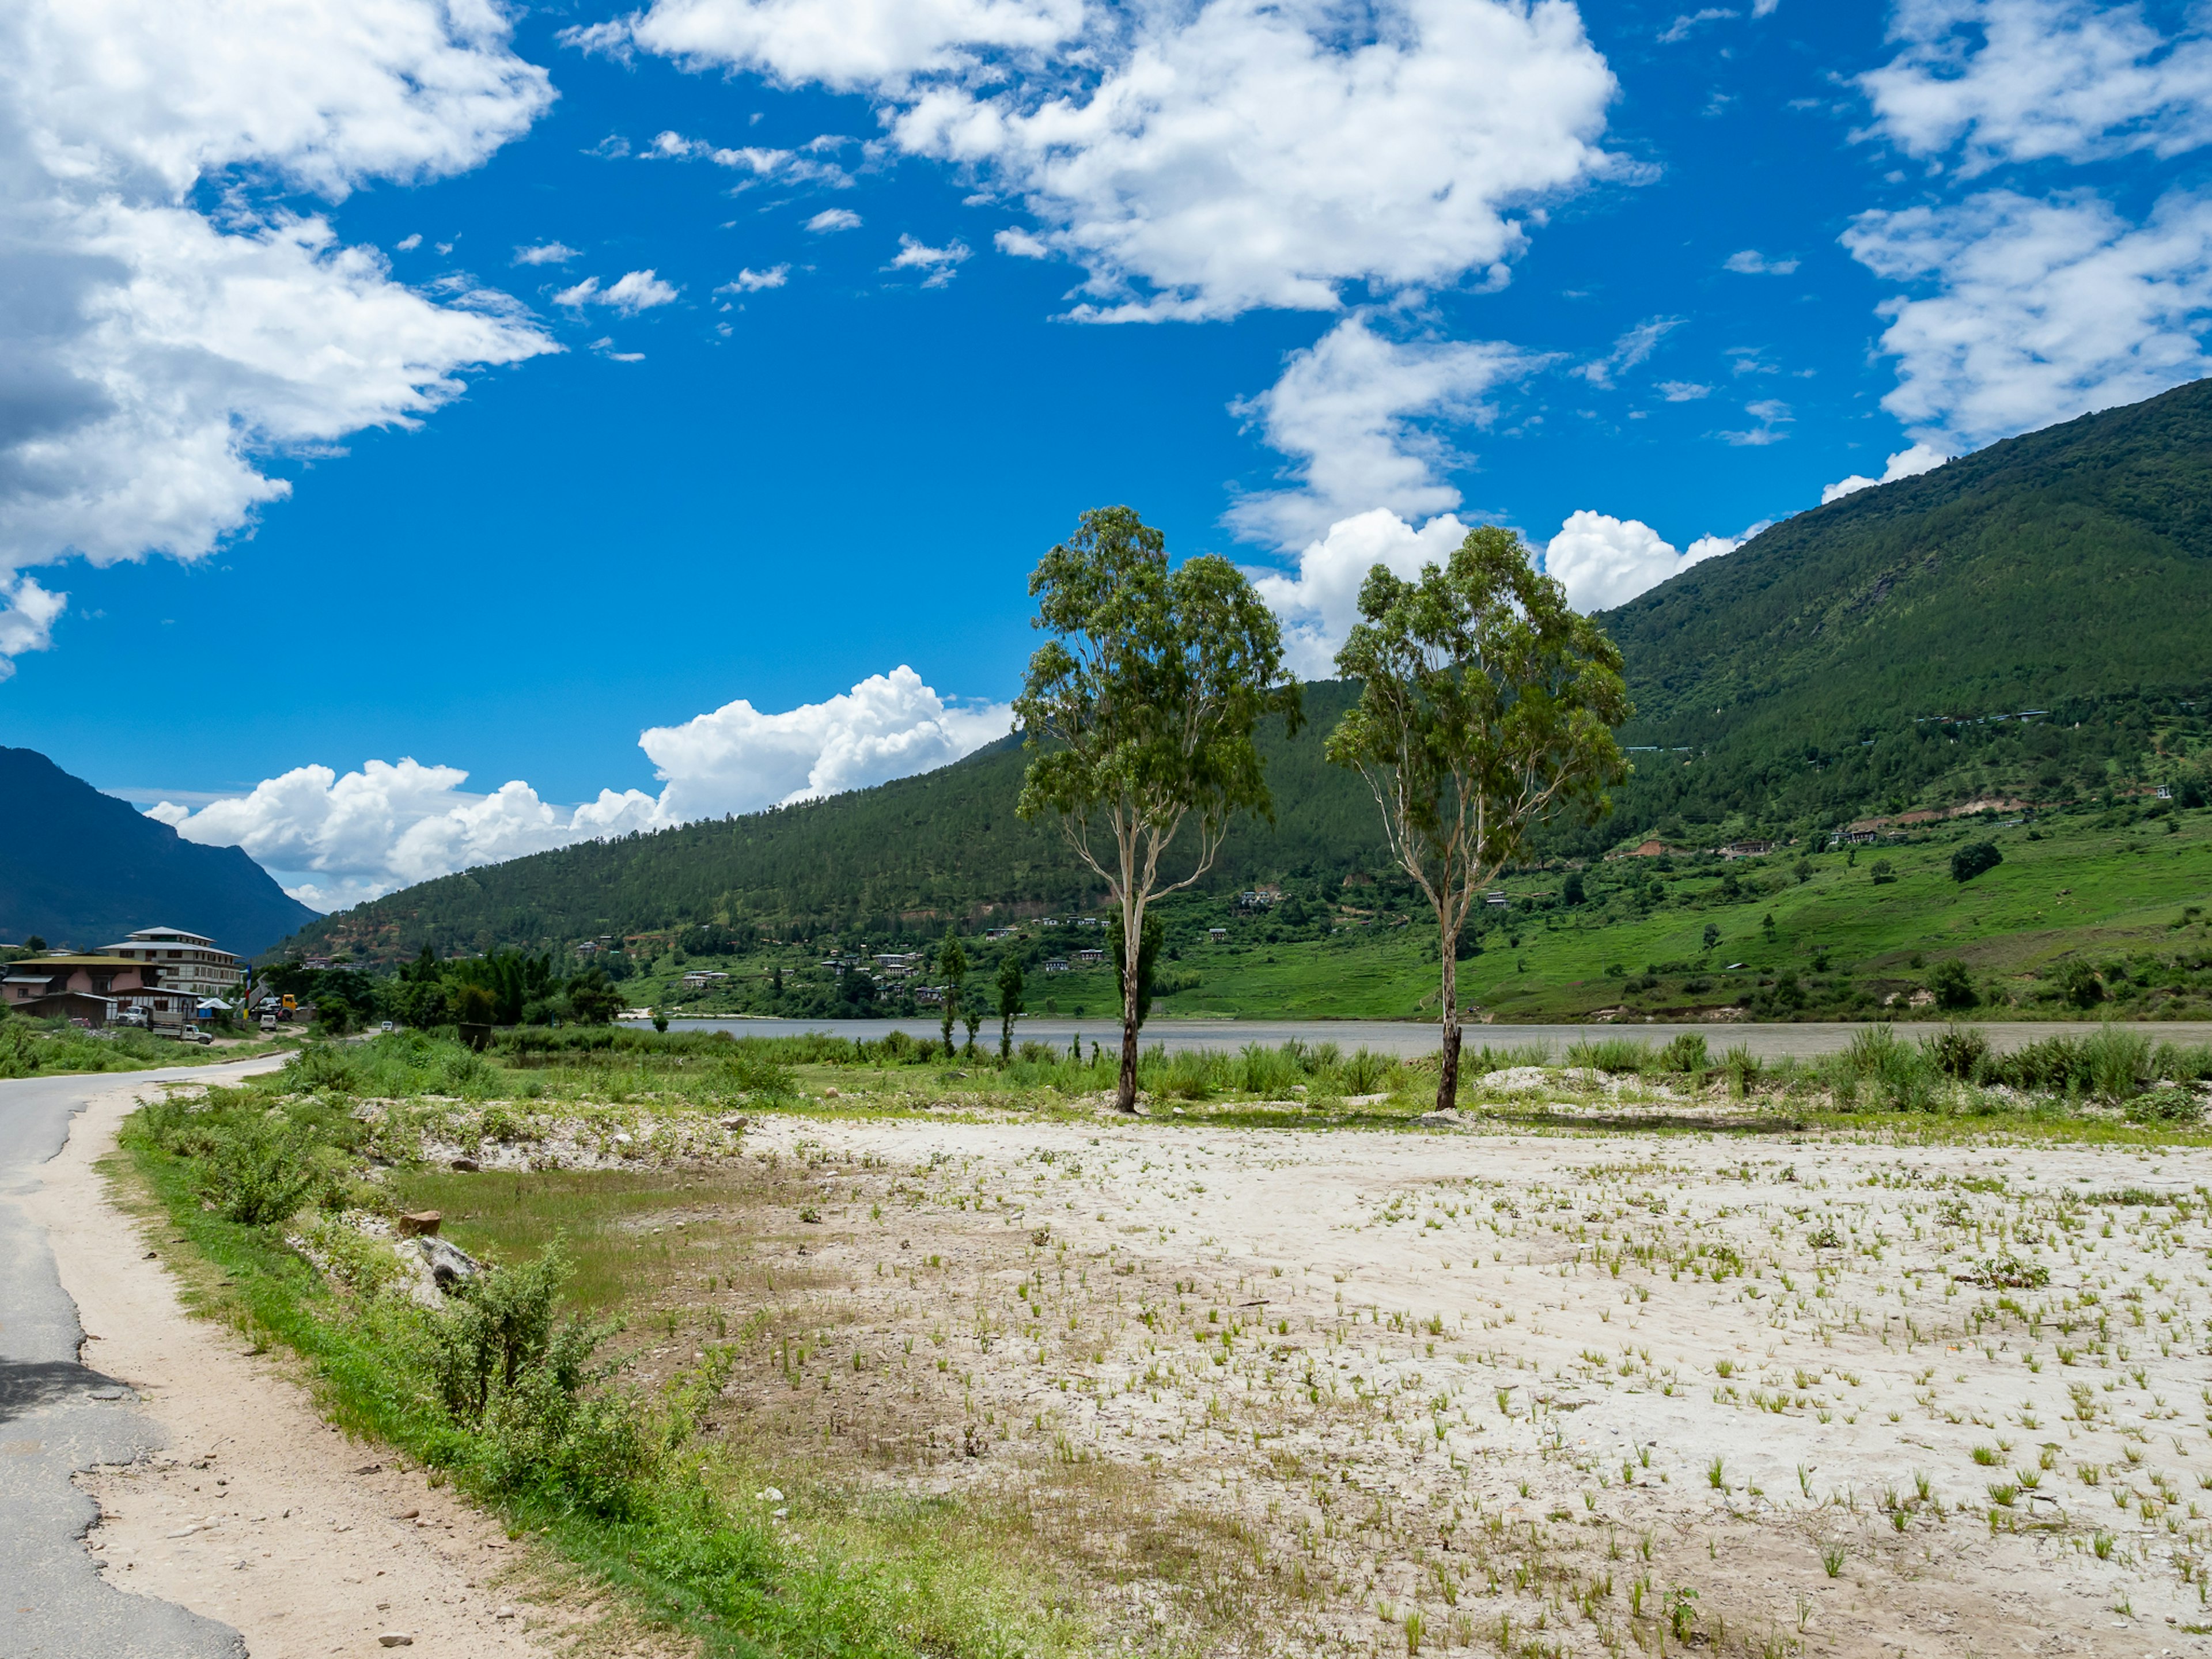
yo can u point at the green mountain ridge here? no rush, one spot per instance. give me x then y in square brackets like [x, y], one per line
[1850, 660]
[81, 868]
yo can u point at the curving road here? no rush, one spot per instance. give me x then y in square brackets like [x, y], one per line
[57, 1416]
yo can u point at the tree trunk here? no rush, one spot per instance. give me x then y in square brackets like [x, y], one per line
[1448, 1077]
[1132, 955]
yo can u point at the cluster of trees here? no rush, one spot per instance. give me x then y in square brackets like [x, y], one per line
[506, 987]
[1486, 706]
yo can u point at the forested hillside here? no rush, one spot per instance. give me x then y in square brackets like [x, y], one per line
[1854, 655]
[905, 856]
[83, 869]
[1871, 655]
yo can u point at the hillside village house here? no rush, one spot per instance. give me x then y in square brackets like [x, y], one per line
[94, 990]
[190, 962]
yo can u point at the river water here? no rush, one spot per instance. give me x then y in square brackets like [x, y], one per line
[1768, 1041]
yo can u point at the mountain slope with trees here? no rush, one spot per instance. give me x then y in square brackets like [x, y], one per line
[1850, 661]
[81, 868]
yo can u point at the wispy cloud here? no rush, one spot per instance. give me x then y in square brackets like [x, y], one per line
[638, 290]
[940, 262]
[1771, 415]
[547, 253]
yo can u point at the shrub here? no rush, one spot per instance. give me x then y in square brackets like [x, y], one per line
[1687, 1053]
[2079, 985]
[2168, 1105]
[321, 1066]
[504, 1367]
[1953, 985]
[1972, 858]
[2118, 1060]
[261, 1171]
[1365, 1071]
[2054, 1065]
[1743, 1068]
[1897, 1077]
[1618, 1054]
[1958, 1051]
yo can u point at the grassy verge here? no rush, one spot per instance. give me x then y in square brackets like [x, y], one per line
[502, 1394]
[57, 1049]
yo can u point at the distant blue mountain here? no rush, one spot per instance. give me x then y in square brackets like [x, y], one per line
[83, 869]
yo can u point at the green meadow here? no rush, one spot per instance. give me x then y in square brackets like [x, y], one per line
[1817, 933]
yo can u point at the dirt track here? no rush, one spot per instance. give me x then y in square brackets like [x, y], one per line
[260, 1515]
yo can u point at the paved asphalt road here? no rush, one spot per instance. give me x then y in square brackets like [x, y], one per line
[1407, 1037]
[57, 1416]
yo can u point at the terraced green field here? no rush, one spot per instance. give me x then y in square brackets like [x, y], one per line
[2089, 887]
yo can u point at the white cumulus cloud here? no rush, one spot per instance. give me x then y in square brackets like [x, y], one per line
[749, 281]
[336, 840]
[845, 43]
[1750, 262]
[157, 352]
[1255, 154]
[1202, 159]
[2005, 81]
[1909, 463]
[833, 219]
[2034, 311]
[738, 759]
[28, 615]
[1319, 604]
[1603, 562]
[1353, 410]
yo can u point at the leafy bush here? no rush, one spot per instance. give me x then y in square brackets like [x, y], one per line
[2078, 984]
[260, 1171]
[2118, 1061]
[1687, 1053]
[2168, 1105]
[1893, 1075]
[321, 1066]
[1958, 1051]
[1953, 985]
[1972, 858]
[504, 1367]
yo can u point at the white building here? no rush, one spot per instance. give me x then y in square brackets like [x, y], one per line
[190, 962]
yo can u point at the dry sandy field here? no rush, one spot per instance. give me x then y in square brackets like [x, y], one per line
[1537, 1390]
[1542, 1393]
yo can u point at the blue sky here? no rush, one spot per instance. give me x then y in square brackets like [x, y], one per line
[819, 354]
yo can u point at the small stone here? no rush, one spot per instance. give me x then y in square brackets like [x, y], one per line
[466, 1165]
[420, 1223]
[407, 1515]
[395, 1638]
[504, 1613]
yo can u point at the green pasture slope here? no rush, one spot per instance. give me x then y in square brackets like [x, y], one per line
[2104, 889]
